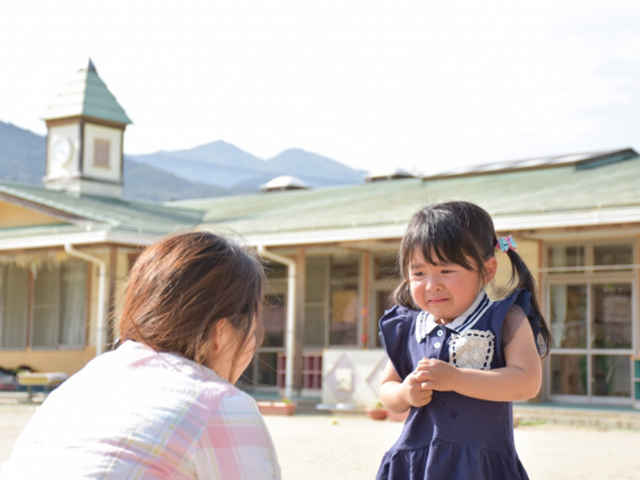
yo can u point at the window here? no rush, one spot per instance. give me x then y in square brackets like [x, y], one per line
[343, 327]
[386, 277]
[14, 284]
[566, 256]
[101, 152]
[611, 319]
[273, 320]
[316, 300]
[59, 310]
[590, 298]
[613, 255]
[332, 300]
[386, 267]
[57, 316]
[569, 316]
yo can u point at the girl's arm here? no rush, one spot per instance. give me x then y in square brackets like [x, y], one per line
[520, 379]
[398, 395]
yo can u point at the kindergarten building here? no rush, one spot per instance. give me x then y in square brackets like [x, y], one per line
[66, 249]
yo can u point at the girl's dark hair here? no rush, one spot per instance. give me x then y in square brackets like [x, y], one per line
[180, 287]
[454, 232]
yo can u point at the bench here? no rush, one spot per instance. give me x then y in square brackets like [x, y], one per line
[47, 380]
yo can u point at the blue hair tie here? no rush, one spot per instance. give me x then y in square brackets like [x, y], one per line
[506, 243]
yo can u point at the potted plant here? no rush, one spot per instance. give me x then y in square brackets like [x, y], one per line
[378, 412]
[280, 407]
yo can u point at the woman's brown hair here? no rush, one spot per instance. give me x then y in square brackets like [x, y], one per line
[180, 287]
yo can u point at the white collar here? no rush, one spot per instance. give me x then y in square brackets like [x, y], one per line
[425, 323]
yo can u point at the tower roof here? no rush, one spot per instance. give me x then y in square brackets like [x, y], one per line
[87, 95]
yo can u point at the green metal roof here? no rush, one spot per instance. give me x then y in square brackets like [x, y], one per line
[87, 95]
[541, 191]
[106, 212]
[602, 192]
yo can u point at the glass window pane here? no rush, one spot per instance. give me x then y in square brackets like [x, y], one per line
[316, 279]
[73, 309]
[611, 326]
[343, 327]
[13, 306]
[569, 316]
[344, 268]
[384, 301]
[314, 325]
[274, 314]
[46, 307]
[566, 256]
[611, 375]
[385, 266]
[267, 368]
[344, 317]
[568, 374]
[613, 255]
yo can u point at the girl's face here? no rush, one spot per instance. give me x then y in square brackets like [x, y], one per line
[445, 290]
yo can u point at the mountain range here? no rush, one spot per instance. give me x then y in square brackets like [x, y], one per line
[213, 169]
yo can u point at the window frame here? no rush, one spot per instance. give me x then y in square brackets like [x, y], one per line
[590, 275]
[30, 309]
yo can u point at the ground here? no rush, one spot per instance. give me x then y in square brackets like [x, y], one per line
[349, 447]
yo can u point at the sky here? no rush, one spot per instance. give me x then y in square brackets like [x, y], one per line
[424, 86]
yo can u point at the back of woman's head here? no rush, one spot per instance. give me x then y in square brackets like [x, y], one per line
[180, 287]
[461, 233]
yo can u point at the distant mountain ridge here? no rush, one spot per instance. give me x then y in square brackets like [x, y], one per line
[238, 170]
[213, 169]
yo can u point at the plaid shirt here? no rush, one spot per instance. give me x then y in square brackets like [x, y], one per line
[137, 414]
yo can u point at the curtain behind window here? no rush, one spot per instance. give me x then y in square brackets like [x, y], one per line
[46, 308]
[13, 306]
[59, 312]
[74, 301]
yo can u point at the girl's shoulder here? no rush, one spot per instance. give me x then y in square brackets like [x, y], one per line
[516, 307]
[517, 298]
[396, 325]
[398, 316]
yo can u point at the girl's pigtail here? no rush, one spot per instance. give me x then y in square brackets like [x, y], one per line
[526, 282]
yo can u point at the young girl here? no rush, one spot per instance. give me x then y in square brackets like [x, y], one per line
[457, 358]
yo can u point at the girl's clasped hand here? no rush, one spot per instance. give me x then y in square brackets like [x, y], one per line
[430, 374]
[434, 374]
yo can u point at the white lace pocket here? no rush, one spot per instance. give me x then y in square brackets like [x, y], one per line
[472, 349]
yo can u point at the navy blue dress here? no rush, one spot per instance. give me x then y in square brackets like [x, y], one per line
[454, 437]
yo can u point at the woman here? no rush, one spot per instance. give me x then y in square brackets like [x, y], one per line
[163, 404]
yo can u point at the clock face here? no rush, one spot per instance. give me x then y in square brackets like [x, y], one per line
[62, 150]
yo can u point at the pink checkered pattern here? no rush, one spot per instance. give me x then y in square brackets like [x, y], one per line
[137, 414]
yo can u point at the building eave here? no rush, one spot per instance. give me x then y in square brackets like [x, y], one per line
[79, 238]
[504, 223]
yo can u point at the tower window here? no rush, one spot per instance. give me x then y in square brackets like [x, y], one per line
[101, 153]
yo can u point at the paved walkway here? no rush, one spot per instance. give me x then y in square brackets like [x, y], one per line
[314, 447]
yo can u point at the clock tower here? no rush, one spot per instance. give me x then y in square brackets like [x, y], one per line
[85, 133]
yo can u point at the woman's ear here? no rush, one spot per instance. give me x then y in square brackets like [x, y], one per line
[490, 269]
[218, 338]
